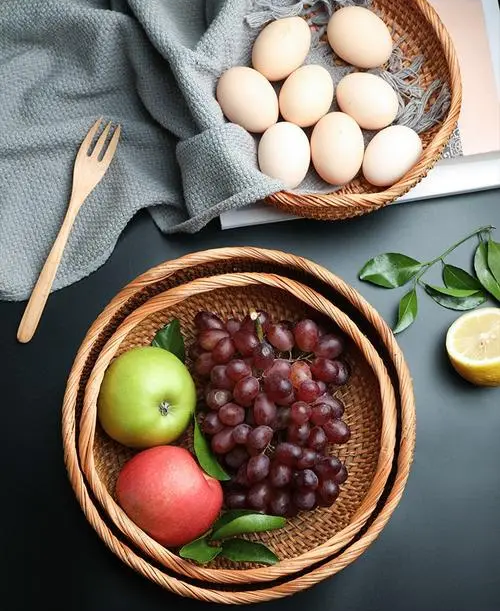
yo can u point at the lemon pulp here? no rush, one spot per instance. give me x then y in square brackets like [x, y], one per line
[473, 346]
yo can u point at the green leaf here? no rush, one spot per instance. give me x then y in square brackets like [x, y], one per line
[390, 270]
[408, 310]
[454, 292]
[170, 338]
[494, 259]
[483, 272]
[241, 550]
[200, 551]
[249, 523]
[205, 456]
[457, 278]
[229, 516]
[456, 303]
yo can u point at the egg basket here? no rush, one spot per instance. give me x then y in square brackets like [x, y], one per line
[368, 498]
[422, 33]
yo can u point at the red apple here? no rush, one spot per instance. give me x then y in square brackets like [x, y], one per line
[164, 491]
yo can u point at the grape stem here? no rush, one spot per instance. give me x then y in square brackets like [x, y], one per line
[303, 356]
[427, 266]
[258, 325]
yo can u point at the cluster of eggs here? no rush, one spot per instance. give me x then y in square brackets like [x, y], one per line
[336, 145]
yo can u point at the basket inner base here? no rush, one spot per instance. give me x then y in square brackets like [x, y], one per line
[360, 396]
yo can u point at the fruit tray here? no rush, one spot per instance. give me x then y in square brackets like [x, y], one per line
[370, 409]
[174, 273]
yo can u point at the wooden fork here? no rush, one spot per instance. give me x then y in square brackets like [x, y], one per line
[89, 168]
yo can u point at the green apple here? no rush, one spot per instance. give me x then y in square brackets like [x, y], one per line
[147, 398]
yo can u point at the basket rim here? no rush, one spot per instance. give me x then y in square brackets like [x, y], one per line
[212, 256]
[163, 555]
[354, 204]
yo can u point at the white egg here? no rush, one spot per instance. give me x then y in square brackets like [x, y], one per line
[337, 148]
[285, 154]
[306, 95]
[391, 154]
[248, 99]
[281, 47]
[359, 37]
[368, 99]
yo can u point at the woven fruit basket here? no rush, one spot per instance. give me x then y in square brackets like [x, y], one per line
[138, 554]
[422, 33]
[370, 408]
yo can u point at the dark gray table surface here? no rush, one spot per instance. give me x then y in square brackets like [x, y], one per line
[441, 548]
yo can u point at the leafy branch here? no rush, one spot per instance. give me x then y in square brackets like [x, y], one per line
[461, 291]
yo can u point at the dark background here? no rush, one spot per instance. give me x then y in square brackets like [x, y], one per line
[439, 551]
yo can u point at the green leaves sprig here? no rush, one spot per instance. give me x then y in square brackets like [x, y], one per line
[461, 291]
[223, 540]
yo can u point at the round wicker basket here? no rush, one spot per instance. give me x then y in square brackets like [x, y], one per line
[423, 33]
[175, 273]
[370, 412]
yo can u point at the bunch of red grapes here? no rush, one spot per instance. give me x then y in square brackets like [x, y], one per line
[270, 410]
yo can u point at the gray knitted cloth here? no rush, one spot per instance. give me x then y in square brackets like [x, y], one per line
[151, 65]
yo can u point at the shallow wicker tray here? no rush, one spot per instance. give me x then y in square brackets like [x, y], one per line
[424, 34]
[370, 412]
[219, 261]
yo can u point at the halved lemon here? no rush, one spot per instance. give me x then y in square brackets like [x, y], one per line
[473, 345]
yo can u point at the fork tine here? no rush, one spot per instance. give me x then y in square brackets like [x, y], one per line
[113, 143]
[84, 146]
[99, 146]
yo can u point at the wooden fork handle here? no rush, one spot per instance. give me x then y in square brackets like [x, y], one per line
[41, 290]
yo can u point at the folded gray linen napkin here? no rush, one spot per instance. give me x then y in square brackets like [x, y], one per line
[152, 66]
